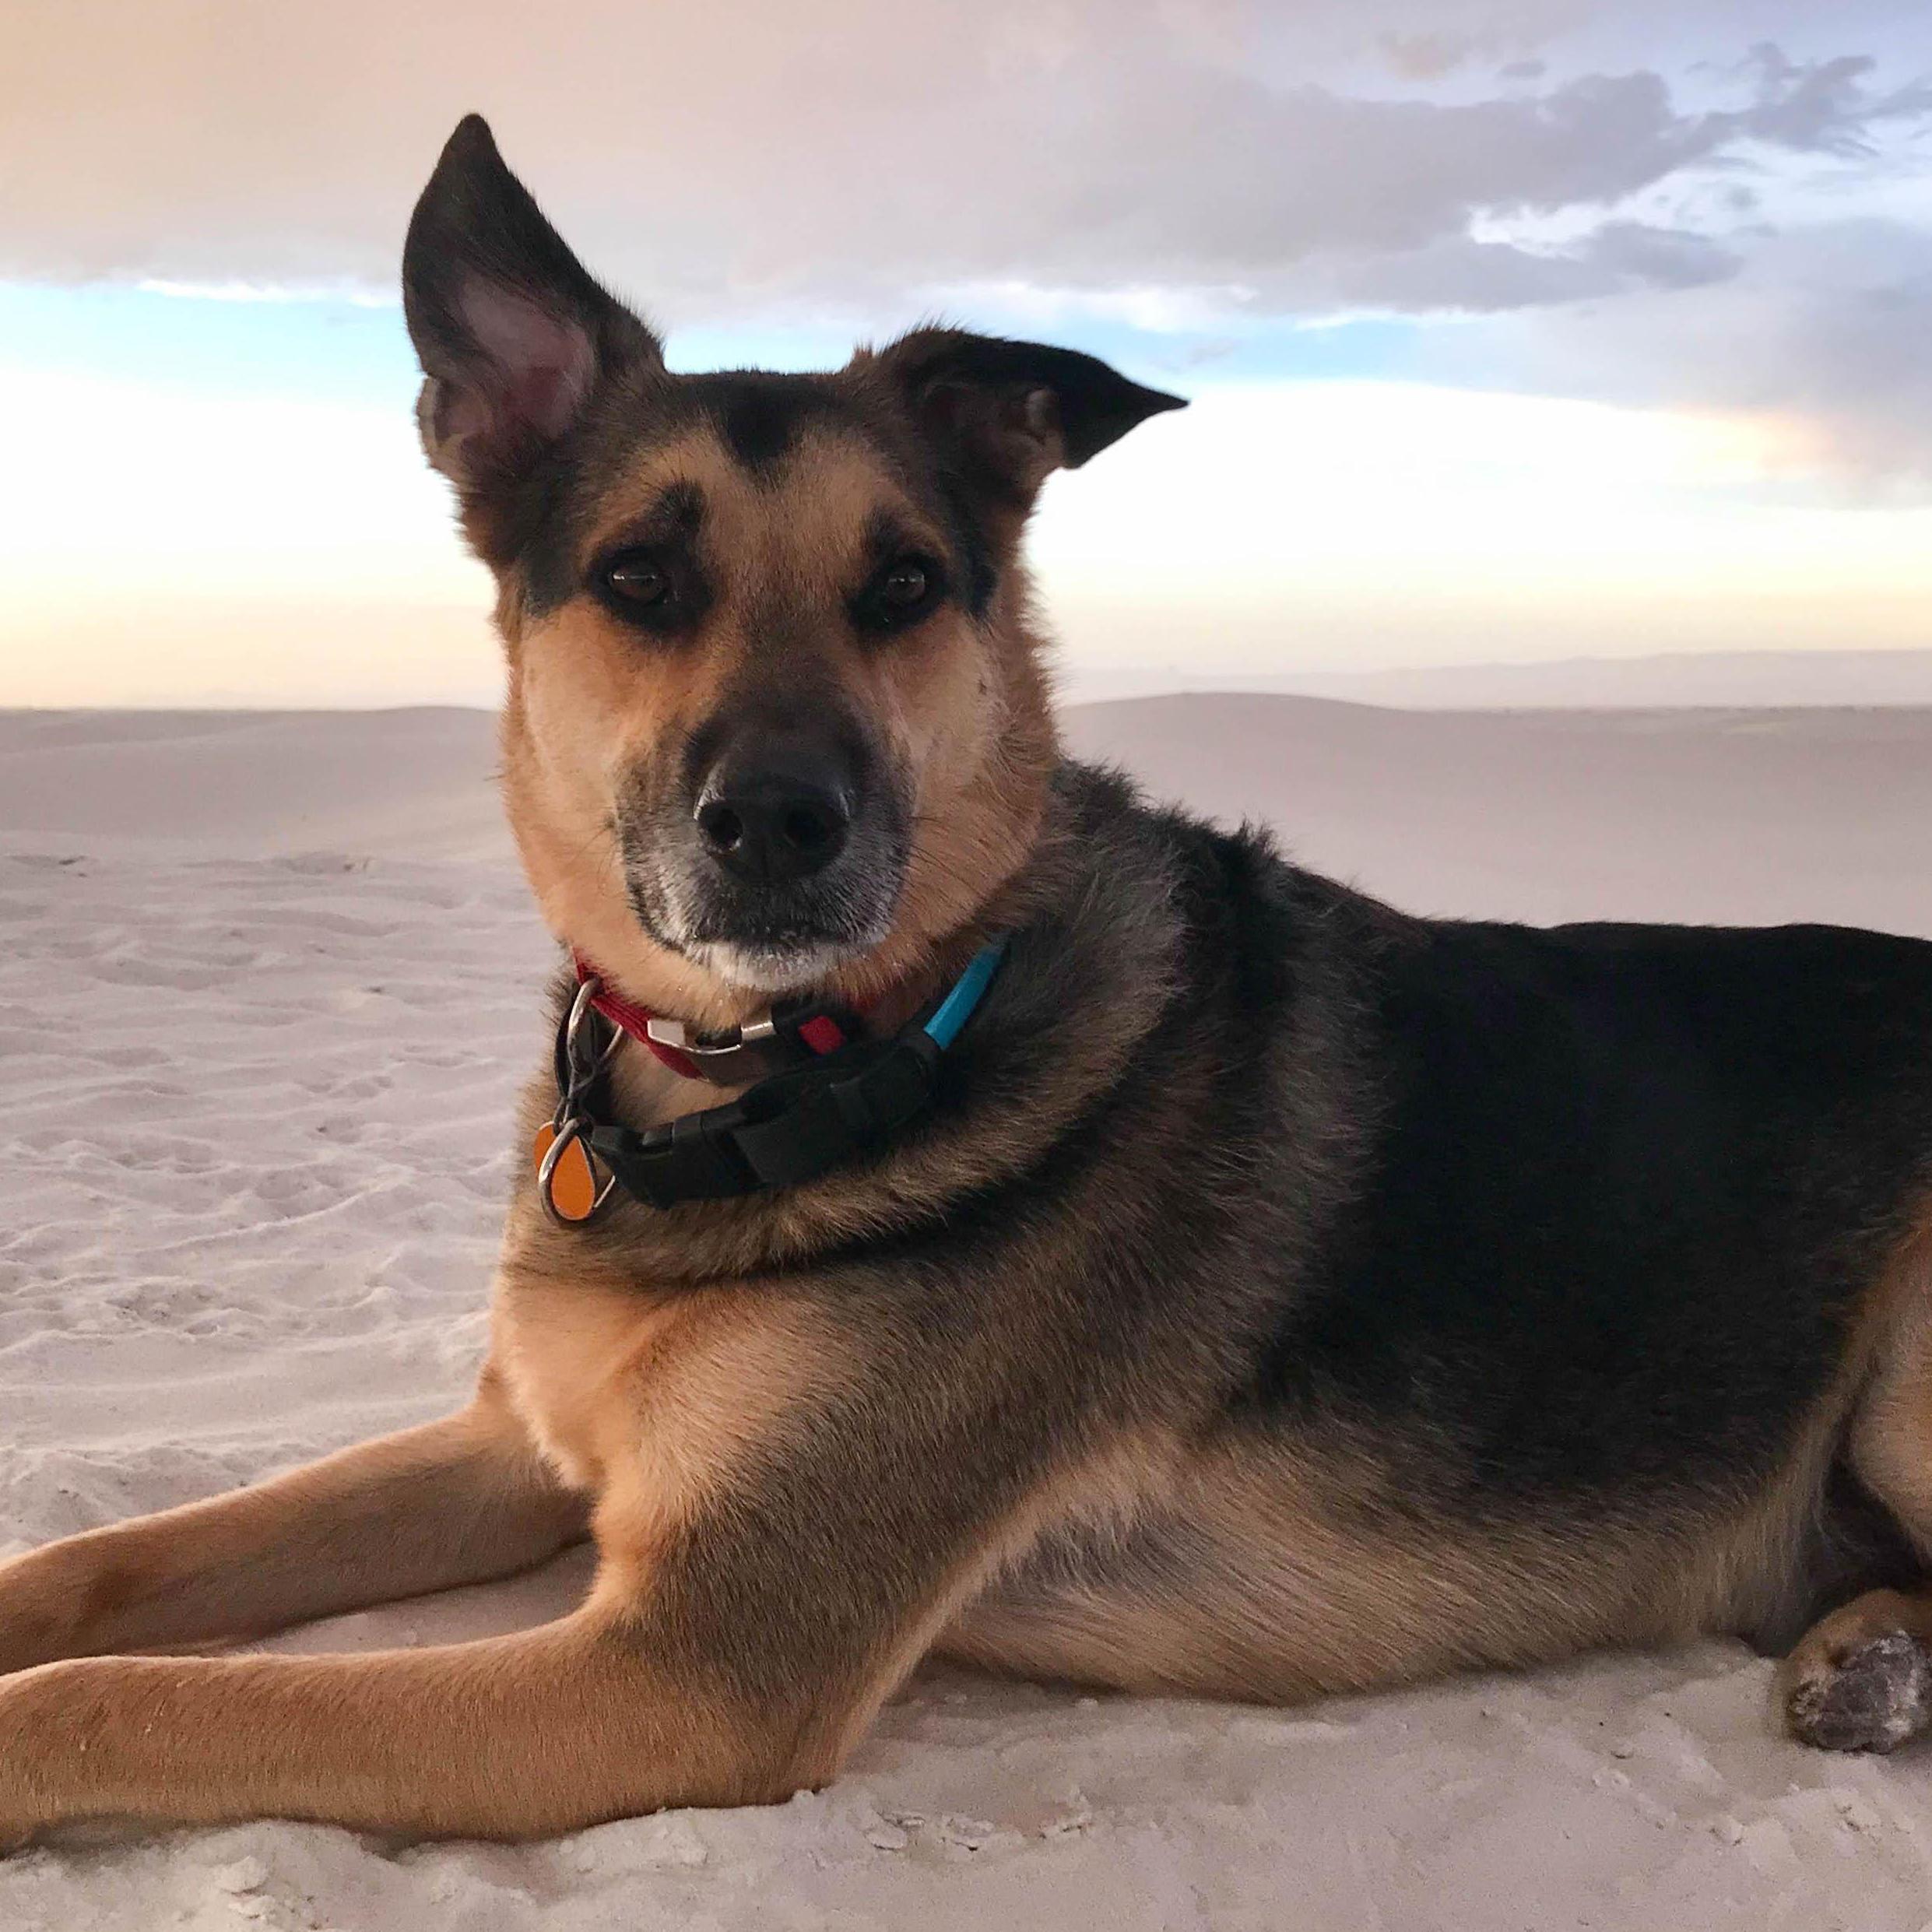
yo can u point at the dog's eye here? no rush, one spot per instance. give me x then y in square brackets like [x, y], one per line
[900, 593]
[638, 579]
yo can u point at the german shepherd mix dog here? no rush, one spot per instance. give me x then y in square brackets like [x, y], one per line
[981, 1214]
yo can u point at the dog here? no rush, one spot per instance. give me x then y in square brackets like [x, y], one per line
[973, 1213]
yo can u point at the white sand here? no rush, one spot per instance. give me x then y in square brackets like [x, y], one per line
[267, 986]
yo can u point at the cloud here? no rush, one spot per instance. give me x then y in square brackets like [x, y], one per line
[1628, 182]
[1471, 276]
[1428, 55]
[844, 156]
[1823, 329]
[1824, 107]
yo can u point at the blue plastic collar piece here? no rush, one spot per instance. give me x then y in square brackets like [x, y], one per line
[956, 1008]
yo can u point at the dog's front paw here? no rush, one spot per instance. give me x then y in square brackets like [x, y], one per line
[1874, 1696]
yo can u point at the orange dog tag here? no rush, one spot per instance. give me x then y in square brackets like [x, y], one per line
[573, 1181]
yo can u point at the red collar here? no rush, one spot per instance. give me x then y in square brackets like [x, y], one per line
[738, 1056]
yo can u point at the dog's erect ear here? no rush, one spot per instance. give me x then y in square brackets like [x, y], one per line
[512, 332]
[1010, 412]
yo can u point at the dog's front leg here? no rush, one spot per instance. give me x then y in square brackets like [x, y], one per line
[454, 1501]
[511, 1736]
[802, 1496]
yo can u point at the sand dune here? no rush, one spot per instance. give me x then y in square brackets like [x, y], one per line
[1745, 816]
[1751, 817]
[252, 784]
[1724, 679]
[266, 993]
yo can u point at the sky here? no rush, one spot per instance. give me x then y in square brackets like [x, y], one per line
[1514, 329]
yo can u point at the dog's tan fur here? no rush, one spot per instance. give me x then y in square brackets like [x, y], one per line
[801, 1476]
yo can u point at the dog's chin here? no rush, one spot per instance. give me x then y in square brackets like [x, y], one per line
[777, 946]
[772, 970]
[777, 963]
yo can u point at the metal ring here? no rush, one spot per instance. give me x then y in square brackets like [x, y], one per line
[584, 1067]
[586, 992]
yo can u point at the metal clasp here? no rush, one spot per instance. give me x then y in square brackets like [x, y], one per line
[726, 1058]
[584, 1060]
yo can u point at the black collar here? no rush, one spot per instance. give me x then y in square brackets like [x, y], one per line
[784, 1130]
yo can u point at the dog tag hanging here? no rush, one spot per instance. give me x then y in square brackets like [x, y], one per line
[566, 1176]
[566, 1180]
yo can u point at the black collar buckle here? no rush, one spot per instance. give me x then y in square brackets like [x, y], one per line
[787, 1129]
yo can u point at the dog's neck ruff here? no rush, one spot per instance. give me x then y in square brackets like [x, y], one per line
[843, 1098]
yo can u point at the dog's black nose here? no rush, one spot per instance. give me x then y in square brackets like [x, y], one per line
[776, 810]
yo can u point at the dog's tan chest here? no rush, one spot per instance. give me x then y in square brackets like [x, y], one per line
[569, 1354]
[649, 1400]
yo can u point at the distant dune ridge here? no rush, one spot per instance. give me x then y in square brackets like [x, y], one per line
[267, 987]
[1723, 679]
[1743, 816]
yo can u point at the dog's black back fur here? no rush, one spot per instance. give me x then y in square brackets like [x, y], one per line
[1630, 1184]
